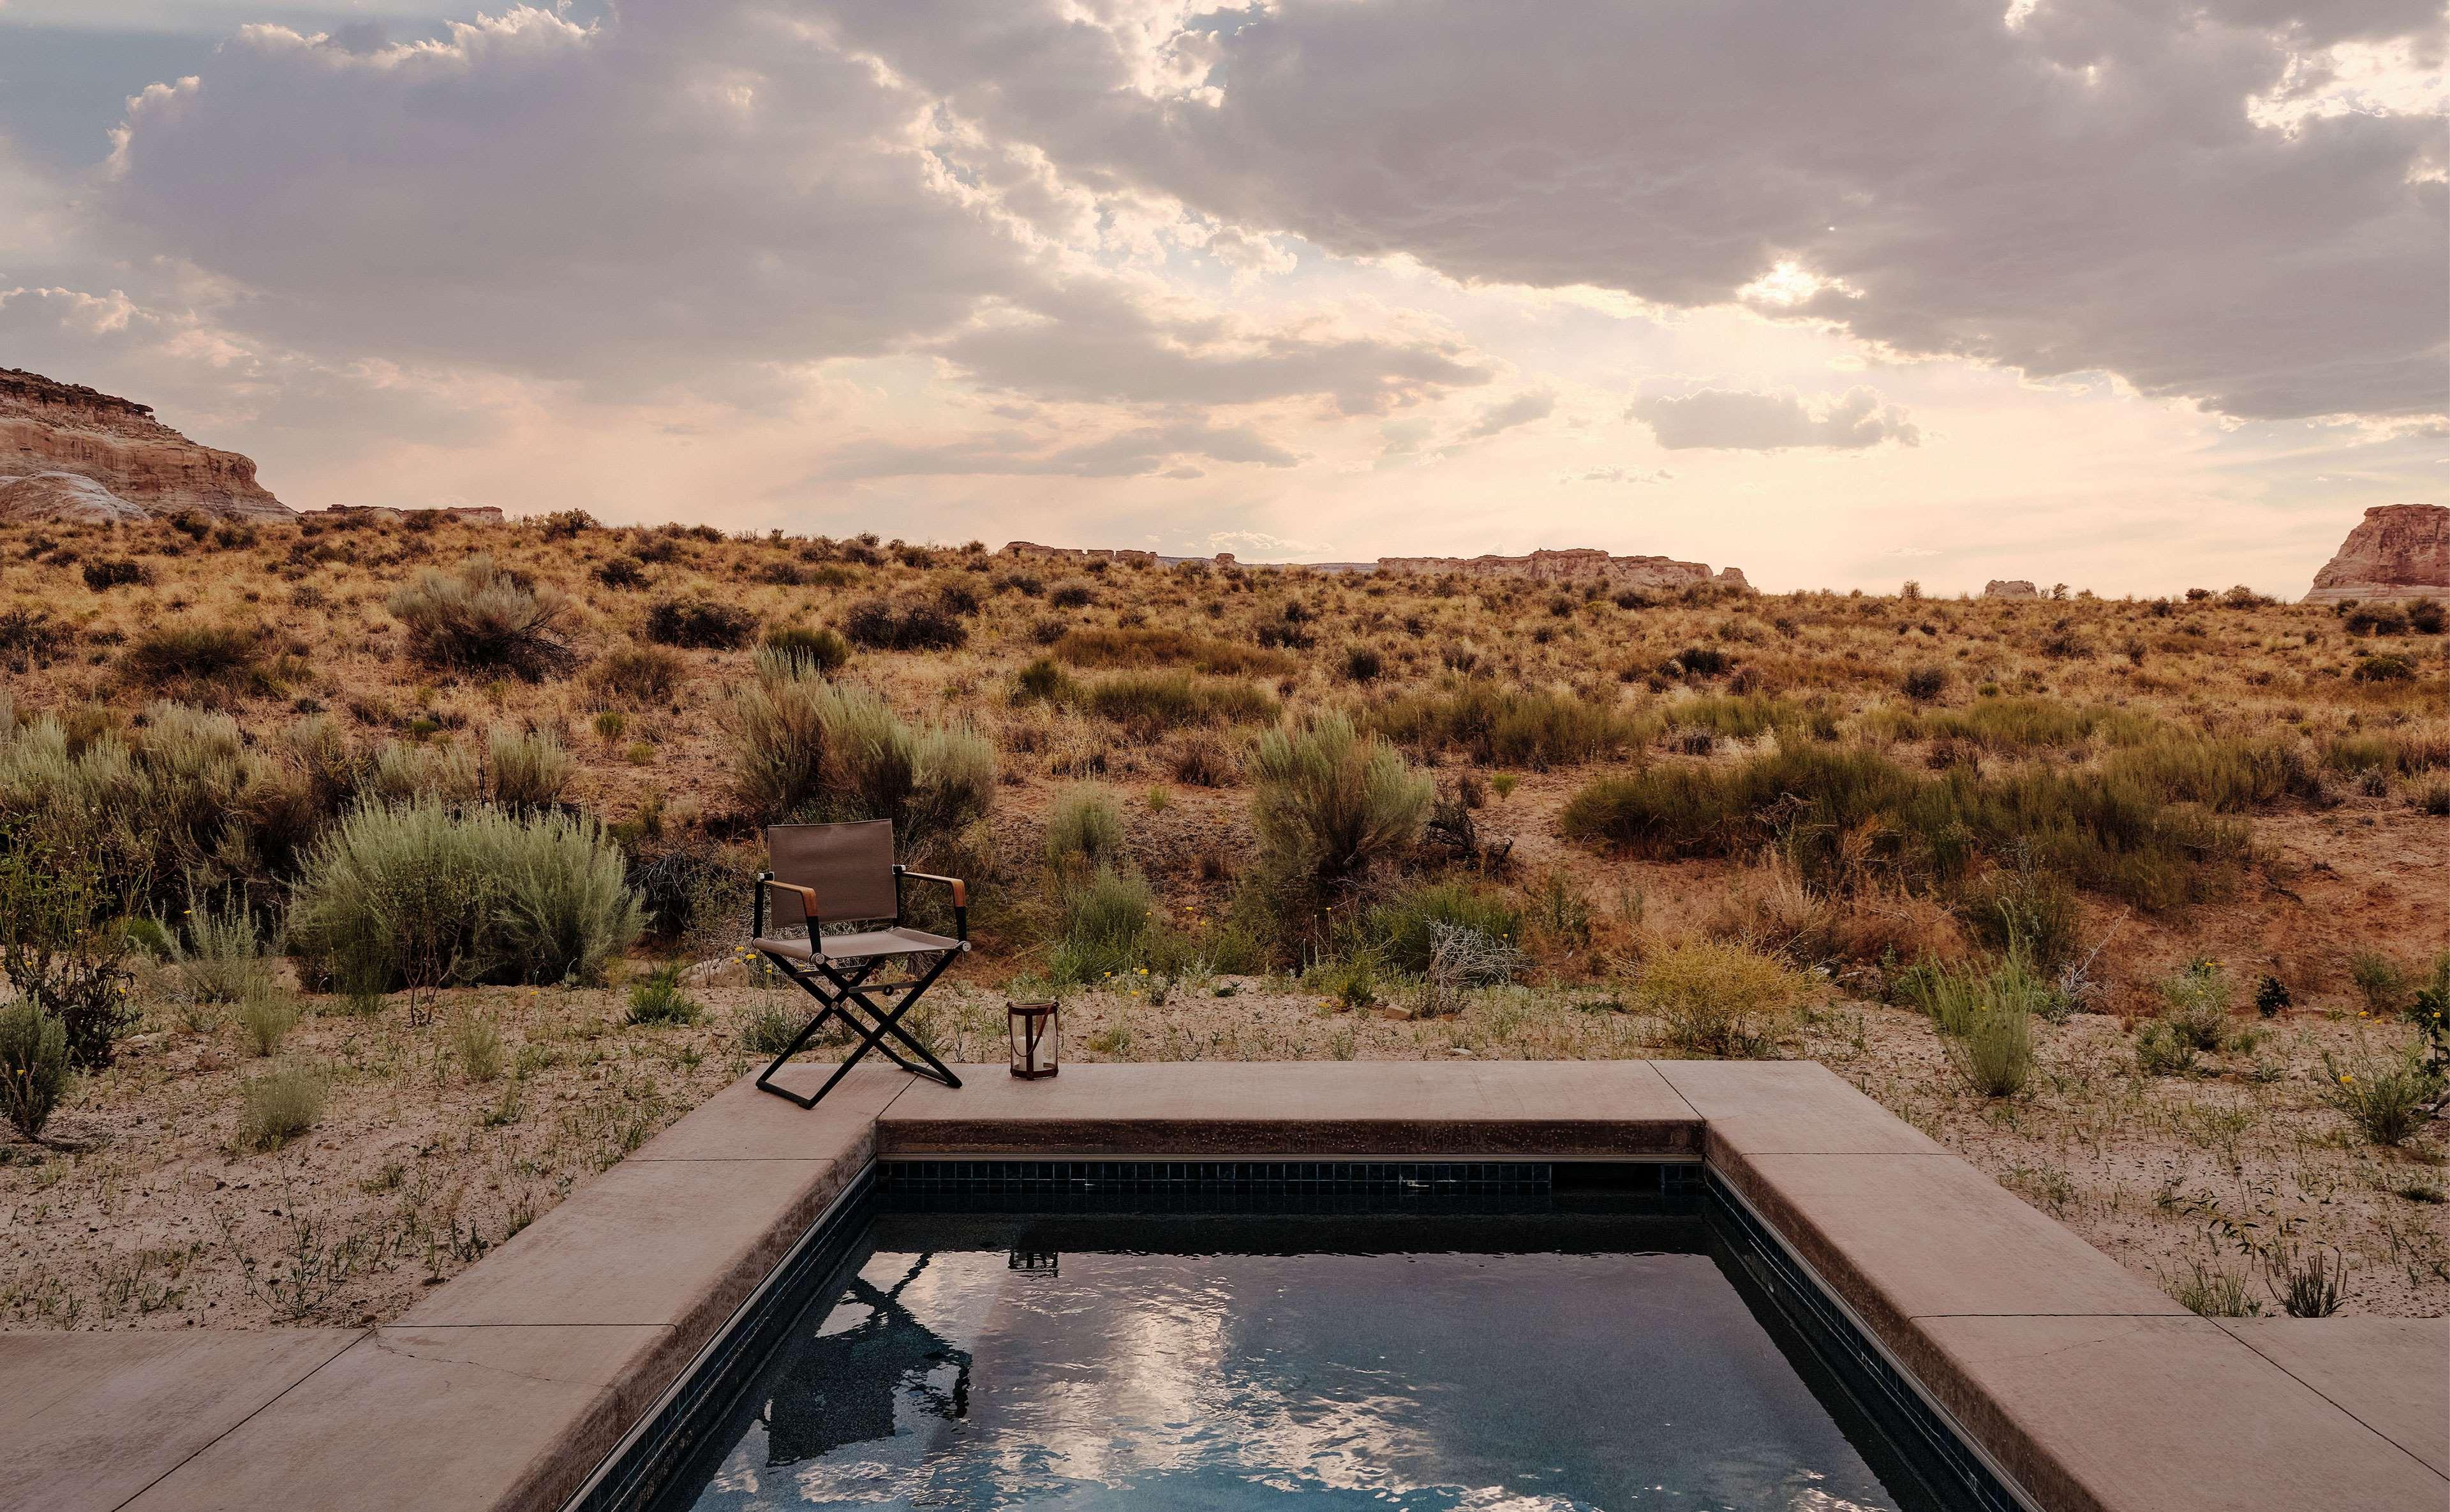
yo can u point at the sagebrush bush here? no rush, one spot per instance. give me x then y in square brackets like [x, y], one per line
[264, 1018]
[525, 770]
[797, 650]
[2196, 1002]
[33, 1065]
[422, 894]
[280, 1105]
[700, 624]
[1101, 648]
[1404, 930]
[637, 675]
[1719, 1000]
[881, 624]
[2387, 1096]
[1329, 800]
[802, 748]
[661, 998]
[1105, 929]
[400, 772]
[1516, 726]
[478, 618]
[1147, 705]
[216, 955]
[1084, 833]
[187, 652]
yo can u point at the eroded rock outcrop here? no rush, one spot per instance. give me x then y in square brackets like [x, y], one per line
[68, 451]
[1574, 565]
[2009, 588]
[2398, 551]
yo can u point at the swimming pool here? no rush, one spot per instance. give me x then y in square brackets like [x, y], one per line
[1399, 1345]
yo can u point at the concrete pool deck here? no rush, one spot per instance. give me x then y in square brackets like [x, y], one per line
[509, 1385]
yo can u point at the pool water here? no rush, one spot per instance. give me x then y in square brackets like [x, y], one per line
[1533, 1363]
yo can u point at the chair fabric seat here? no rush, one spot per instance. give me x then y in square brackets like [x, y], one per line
[863, 945]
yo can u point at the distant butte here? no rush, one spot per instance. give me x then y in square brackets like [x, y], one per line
[2398, 551]
[1574, 565]
[71, 453]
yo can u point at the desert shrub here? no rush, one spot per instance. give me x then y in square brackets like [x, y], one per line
[1461, 958]
[699, 624]
[1107, 921]
[1846, 814]
[1203, 759]
[767, 1030]
[1994, 1054]
[2379, 979]
[1072, 593]
[2018, 726]
[1148, 645]
[1721, 1000]
[622, 572]
[1923, 684]
[2374, 619]
[2384, 667]
[2426, 616]
[191, 653]
[2195, 1004]
[1748, 716]
[400, 772]
[33, 1065]
[57, 948]
[1515, 727]
[1084, 833]
[527, 772]
[1147, 705]
[2161, 1051]
[104, 574]
[798, 650]
[1330, 800]
[2389, 1096]
[2025, 912]
[1402, 931]
[2224, 775]
[637, 675]
[264, 1018]
[280, 1105]
[920, 625]
[216, 955]
[30, 638]
[421, 895]
[480, 618]
[660, 998]
[802, 748]
[1363, 664]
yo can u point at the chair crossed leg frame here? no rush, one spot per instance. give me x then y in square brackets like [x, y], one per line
[853, 988]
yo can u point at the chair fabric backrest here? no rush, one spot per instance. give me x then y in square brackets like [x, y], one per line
[848, 866]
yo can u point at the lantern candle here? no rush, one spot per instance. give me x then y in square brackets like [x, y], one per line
[1036, 1039]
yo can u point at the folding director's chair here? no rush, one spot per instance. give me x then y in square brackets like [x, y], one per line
[846, 874]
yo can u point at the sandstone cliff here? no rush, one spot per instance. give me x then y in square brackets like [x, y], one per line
[1577, 565]
[67, 452]
[2009, 588]
[2398, 551]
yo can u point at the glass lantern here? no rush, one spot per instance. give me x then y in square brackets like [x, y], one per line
[1037, 1036]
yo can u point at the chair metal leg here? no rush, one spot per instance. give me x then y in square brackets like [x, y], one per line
[847, 989]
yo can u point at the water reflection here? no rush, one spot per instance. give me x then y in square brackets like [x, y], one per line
[950, 1374]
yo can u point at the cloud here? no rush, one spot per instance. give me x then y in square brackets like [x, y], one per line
[1621, 475]
[1736, 421]
[2084, 188]
[1505, 415]
[1141, 451]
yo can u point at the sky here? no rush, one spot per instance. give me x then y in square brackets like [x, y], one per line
[2134, 295]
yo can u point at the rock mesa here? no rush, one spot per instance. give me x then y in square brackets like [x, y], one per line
[1576, 565]
[71, 453]
[2398, 551]
[2009, 588]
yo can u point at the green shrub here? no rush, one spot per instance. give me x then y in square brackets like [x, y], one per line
[1084, 833]
[1148, 705]
[2380, 980]
[1402, 931]
[802, 748]
[1721, 1000]
[216, 955]
[638, 676]
[2161, 1051]
[33, 1065]
[2388, 1097]
[1959, 998]
[476, 1045]
[1517, 727]
[528, 770]
[923, 626]
[264, 1019]
[400, 772]
[1329, 800]
[659, 997]
[1106, 927]
[796, 650]
[419, 895]
[699, 624]
[1150, 646]
[59, 950]
[2024, 912]
[480, 618]
[2196, 1003]
[768, 1030]
[188, 652]
[280, 1105]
